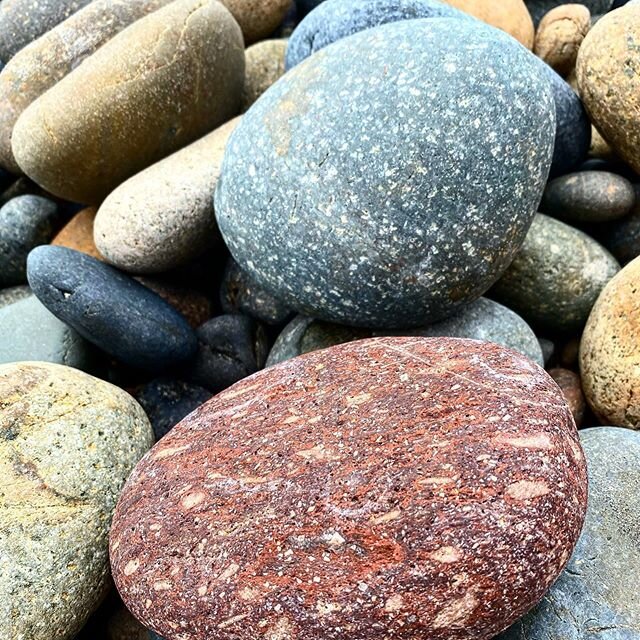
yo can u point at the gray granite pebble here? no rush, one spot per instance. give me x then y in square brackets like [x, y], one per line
[28, 331]
[597, 595]
[556, 277]
[362, 203]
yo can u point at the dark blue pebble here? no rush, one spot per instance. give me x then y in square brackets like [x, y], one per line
[110, 309]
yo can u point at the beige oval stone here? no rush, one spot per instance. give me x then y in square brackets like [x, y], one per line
[610, 351]
[68, 442]
[163, 82]
[51, 57]
[163, 216]
[264, 65]
[560, 34]
[258, 19]
[608, 75]
[511, 16]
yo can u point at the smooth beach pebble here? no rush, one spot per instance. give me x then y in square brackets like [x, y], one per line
[571, 387]
[597, 594]
[68, 441]
[78, 234]
[345, 493]
[609, 354]
[22, 21]
[29, 331]
[560, 34]
[588, 196]
[336, 194]
[264, 65]
[258, 19]
[51, 57]
[25, 222]
[607, 83]
[557, 276]
[163, 82]
[110, 309]
[622, 237]
[163, 217]
[539, 8]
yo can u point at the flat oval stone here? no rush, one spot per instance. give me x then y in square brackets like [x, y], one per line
[331, 154]
[609, 354]
[597, 594]
[160, 84]
[110, 309]
[539, 8]
[163, 216]
[557, 276]
[588, 196]
[345, 493]
[39, 65]
[22, 21]
[483, 319]
[28, 331]
[68, 441]
[25, 222]
[608, 89]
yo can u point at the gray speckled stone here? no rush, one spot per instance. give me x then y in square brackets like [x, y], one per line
[482, 320]
[25, 222]
[28, 331]
[538, 8]
[383, 189]
[556, 277]
[14, 294]
[622, 237]
[68, 442]
[597, 595]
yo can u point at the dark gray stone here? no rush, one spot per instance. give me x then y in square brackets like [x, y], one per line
[337, 19]
[548, 350]
[481, 320]
[304, 6]
[538, 8]
[373, 188]
[622, 237]
[25, 223]
[231, 347]
[240, 294]
[110, 309]
[556, 277]
[167, 401]
[588, 196]
[22, 21]
[28, 331]
[14, 294]
[597, 595]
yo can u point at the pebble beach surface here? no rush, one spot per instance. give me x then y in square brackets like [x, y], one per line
[318, 320]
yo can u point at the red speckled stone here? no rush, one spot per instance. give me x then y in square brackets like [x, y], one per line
[396, 488]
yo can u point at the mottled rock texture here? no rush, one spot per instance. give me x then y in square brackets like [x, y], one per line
[560, 34]
[13, 294]
[539, 8]
[386, 488]
[609, 355]
[77, 234]
[596, 597]
[163, 216]
[264, 65]
[588, 196]
[258, 19]
[609, 82]
[556, 277]
[345, 208]
[41, 64]
[68, 441]
[110, 309]
[163, 82]
[22, 21]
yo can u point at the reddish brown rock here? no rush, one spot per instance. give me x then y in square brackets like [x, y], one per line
[571, 387]
[78, 233]
[404, 488]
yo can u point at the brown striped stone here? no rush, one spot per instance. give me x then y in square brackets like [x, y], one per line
[404, 488]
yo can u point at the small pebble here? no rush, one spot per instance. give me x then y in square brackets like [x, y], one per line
[264, 65]
[571, 387]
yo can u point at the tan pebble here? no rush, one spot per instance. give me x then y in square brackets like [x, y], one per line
[258, 19]
[264, 65]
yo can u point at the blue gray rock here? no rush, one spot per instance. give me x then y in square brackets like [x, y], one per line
[597, 595]
[25, 222]
[384, 190]
[167, 401]
[110, 309]
[28, 331]
[337, 19]
[556, 277]
[483, 319]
